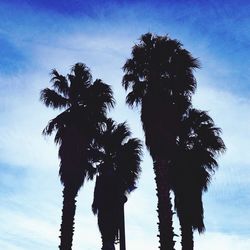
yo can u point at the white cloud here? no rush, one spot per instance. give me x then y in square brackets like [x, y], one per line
[220, 241]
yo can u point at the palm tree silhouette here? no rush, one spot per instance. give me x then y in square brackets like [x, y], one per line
[197, 147]
[160, 77]
[85, 104]
[119, 169]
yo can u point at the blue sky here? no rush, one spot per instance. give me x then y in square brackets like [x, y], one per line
[37, 36]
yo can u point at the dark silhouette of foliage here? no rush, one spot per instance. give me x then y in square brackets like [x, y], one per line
[119, 169]
[85, 105]
[198, 145]
[160, 79]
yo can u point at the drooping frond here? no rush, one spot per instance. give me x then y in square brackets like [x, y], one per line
[121, 133]
[60, 83]
[59, 135]
[132, 99]
[137, 93]
[197, 148]
[129, 161]
[51, 126]
[52, 99]
[56, 124]
[204, 133]
[130, 78]
[101, 96]
[189, 180]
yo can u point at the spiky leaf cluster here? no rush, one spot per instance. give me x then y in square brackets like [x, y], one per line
[160, 65]
[159, 77]
[85, 105]
[197, 147]
[119, 159]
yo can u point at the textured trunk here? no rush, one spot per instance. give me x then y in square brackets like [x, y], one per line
[68, 214]
[107, 221]
[122, 229]
[186, 236]
[165, 213]
[108, 245]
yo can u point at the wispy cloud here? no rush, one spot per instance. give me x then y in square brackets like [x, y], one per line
[222, 241]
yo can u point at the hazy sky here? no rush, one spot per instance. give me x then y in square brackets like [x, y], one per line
[37, 36]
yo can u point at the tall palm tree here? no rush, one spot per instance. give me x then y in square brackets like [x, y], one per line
[160, 77]
[197, 147]
[119, 169]
[85, 104]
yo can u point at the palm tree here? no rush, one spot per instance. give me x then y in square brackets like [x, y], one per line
[85, 104]
[118, 168]
[197, 147]
[160, 77]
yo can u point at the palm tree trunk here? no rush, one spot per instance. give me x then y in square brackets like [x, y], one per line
[186, 236]
[107, 222]
[68, 214]
[122, 229]
[164, 210]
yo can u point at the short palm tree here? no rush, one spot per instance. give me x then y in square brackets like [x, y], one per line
[198, 145]
[118, 168]
[160, 79]
[85, 104]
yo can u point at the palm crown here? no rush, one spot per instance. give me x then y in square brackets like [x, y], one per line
[198, 145]
[159, 64]
[160, 77]
[85, 103]
[119, 156]
[119, 169]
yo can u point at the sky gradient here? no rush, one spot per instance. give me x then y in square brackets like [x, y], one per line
[37, 36]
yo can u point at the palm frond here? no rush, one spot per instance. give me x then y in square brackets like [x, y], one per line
[121, 132]
[132, 99]
[52, 99]
[129, 162]
[130, 69]
[60, 83]
[82, 73]
[59, 135]
[128, 80]
[102, 94]
[57, 123]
